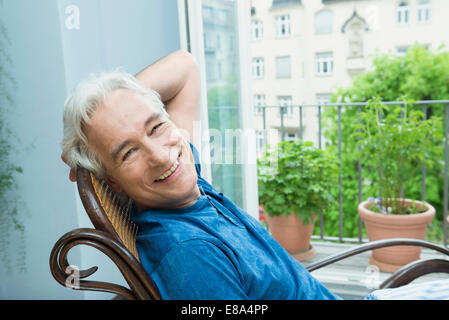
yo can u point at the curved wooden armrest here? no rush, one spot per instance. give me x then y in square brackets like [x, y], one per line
[404, 275]
[142, 287]
[376, 245]
[414, 270]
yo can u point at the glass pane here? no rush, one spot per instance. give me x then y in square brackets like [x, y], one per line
[283, 67]
[223, 96]
[323, 22]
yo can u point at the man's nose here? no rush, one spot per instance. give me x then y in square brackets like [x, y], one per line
[159, 155]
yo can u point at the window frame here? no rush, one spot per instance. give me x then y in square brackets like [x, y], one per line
[259, 100]
[320, 59]
[289, 105]
[258, 66]
[331, 24]
[279, 23]
[423, 10]
[287, 76]
[260, 141]
[403, 13]
[191, 39]
[256, 25]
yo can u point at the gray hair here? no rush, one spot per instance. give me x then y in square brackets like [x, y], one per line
[79, 106]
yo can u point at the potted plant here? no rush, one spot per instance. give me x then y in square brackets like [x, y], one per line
[294, 179]
[395, 142]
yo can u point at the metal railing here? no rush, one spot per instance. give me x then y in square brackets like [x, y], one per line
[425, 105]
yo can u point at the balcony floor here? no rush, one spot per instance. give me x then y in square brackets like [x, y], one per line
[350, 278]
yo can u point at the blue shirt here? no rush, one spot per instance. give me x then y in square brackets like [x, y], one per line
[215, 250]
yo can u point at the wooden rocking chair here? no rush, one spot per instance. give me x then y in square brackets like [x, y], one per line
[115, 236]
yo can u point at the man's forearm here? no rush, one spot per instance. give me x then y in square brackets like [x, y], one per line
[176, 79]
[169, 75]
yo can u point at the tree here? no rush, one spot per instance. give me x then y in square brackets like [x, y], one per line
[419, 75]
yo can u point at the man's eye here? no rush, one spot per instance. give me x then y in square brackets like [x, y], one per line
[156, 127]
[127, 154]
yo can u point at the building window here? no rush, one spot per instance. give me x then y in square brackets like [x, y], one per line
[401, 51]
[259, 101]
[286, 103]
[324, 63]
[323, 98]
[256, 30]
[209, 41]
[291, 136]
[323, 22]
[283, 67]
[282, 26]
[258, 68]
[218, 42]
[402, 13]
[423, 11]
[219, 70]
[260, 141]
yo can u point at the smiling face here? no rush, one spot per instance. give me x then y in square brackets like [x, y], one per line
[143, 152]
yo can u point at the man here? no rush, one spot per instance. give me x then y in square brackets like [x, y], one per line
[193, 241]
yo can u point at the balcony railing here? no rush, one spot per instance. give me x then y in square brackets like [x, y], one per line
[426, 106]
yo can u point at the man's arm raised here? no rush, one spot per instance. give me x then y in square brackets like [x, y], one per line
[176, 78]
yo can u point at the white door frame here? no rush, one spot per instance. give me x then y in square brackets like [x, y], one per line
[192, 40]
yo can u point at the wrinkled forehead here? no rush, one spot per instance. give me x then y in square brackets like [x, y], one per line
[123, 115]
[124, 100]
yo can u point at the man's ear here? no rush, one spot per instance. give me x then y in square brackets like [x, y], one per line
[113, 184]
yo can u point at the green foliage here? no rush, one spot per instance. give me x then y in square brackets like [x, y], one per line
[419, 75]
[396, 144]
[295, 177]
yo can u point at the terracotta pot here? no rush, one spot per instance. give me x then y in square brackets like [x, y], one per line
[292, 235]
[384, 226]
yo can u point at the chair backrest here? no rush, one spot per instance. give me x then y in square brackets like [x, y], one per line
[110, 212]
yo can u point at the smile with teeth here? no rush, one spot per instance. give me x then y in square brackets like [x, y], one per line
[169, 172]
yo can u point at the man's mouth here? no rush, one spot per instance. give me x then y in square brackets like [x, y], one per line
[168, 173]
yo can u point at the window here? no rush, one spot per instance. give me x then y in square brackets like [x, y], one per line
[260, 141]
[401, 51]
[218, 42]
[423, 11]
[209, 41]
[402, 13]
[285, 101]
[283, 68]
[219, 70]
[208, 12]
[291, 136]
[323, 98]
[259, 100]
[221, 15]
[225, 110]
[324, 63]
[323, 22]
[256, 30]
[258, 68]
[282, 24]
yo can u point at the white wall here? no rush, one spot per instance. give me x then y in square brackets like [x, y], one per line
[49, 59]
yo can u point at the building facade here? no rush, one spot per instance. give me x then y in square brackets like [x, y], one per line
[302, 50]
